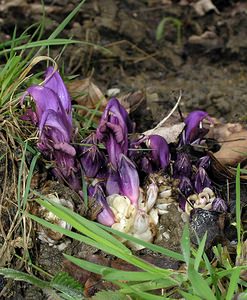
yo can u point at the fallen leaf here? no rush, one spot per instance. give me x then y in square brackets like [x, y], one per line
[170, 133]
[86, 94]
[234, 149]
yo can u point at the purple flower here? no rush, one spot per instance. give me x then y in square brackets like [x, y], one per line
[201, 180]
[91, 158]
[54, 119]
[113, 182]
[193, 129]
[186, 188]
[160, 153]
[205, 162]
[114, 150]
[54, 82]
[219, 205]
[113, 130]
[106, 216]
[129, 179]
[182, 165]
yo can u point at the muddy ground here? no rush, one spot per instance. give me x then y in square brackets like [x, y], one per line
[206, 58]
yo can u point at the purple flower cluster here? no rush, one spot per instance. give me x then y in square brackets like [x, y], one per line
[118, 163]
[53, 117]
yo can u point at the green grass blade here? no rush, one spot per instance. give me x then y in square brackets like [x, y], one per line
[188, 296]
[185, 244]
[233, 283]
[45, 43]
[29, 178]
[200, 285]
[166, 252]
[66, 21]
[200, 251]
[21, 276]
[83, 225]
[238, 211]
[73, 235]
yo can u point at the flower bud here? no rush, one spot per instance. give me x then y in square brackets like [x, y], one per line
[219, 205]
[201, 180]
[160, 151]
[129, 179]
[182, 165]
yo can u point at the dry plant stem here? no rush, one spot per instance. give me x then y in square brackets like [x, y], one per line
[146, 55]
[167, 117]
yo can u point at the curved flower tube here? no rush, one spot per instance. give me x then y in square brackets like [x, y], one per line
[193, 129]
[160, 151]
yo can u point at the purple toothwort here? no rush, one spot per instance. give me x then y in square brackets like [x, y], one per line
[160, 153]
[219, 205]
[193, 129]
[182, 165]
[201, 180]
[129, 179]
[54, 119]
[106, 216]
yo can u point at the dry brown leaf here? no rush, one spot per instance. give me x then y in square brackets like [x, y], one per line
[87, 94]
[131, 101]
[234, 149]
[170, 133]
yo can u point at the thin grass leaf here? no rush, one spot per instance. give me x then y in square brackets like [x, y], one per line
[200, 251]
[153, 285]
[189, 296]
[20, 177]
[185, 244]
[73, 235]
[29, 178]
[166, 252]
[212, 271]
[109, 295]
[21, 276]
[140, 294]
[200, 285]
[66, 21]
[238, 211]
[233, 283]
[86, 265]
[92, 230]
[132, 275]
[83, 225]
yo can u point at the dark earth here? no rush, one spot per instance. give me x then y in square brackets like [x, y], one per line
[204, 55]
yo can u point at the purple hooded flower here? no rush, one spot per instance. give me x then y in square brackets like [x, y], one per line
[113, 130]
[205, 162]
[186, 189]
[201, 180]
[53, 115]
[219, 205]
[193, 129]
[106, 216]
[160, 153]
[129, 179]
[182, 165]
[91, 158]
[113, 182]
[54, 82]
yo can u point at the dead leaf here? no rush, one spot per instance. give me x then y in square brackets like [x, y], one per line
[169, 133]
[87, 94]
[131, 101]
[234, 149]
